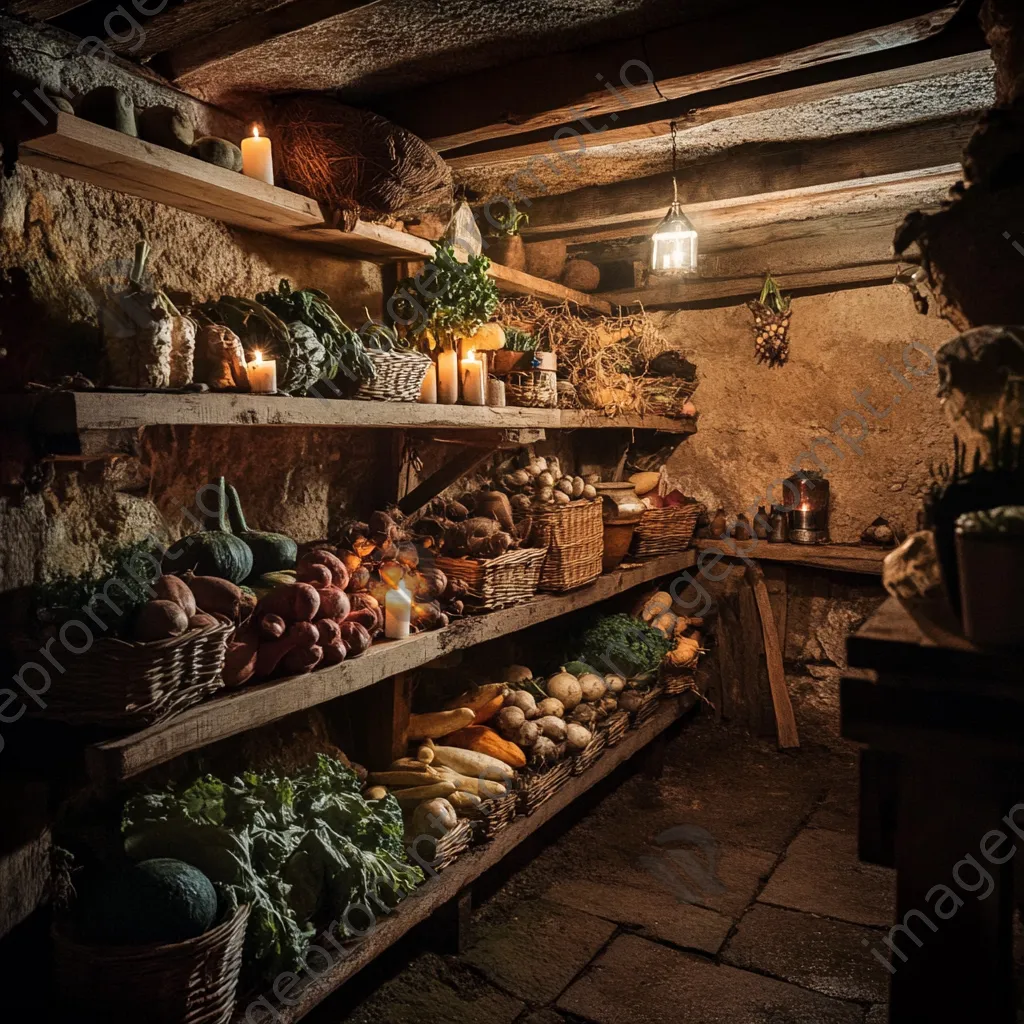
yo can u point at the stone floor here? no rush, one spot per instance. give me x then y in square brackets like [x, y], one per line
[727, 890]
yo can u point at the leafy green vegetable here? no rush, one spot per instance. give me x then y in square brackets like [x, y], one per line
[447, 298]
[511, 222]
[519, 341]
[303, 851]
[623, 645]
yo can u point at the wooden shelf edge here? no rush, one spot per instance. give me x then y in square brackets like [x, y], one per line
[841, 557]
[65, 413]
[251, 707]
[75, 148]
[443, 887]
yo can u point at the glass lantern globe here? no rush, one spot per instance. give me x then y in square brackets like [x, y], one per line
[674, 244]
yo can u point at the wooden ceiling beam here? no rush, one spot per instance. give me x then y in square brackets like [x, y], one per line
[183, 47]
[813, 85]
[553, 90]
[42, 10]
[754, 169]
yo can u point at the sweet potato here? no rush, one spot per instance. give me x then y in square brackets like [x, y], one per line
[272, 627]
[214, 595]
[335, 652]
[357, 638]
[334, 604]
[202, 620]
[294, 602]
[160, 620]
[240, 660]
[328, 630]
[301, 659]
[174, 588]
[366, 617]
[300, 636]
[318, 556]
[317, 575]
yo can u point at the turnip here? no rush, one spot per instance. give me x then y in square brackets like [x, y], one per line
[551, 727]
[551, 706]
[576, 737]
[566, 688]
[593, 686]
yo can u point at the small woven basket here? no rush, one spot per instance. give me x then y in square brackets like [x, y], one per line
[568, 397]
[535, 788]
[129, 685]
[590, 753]
[614, 727]
[666, 396]
[442, 853]
[492, 583]
[677, 681]
[574, 537]
[665, 531]
[533, 389]
[494, 816]
[648, 708]
[399, 376]
[191, 982]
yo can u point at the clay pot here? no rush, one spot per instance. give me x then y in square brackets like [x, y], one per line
[621, 503]
[617, 538]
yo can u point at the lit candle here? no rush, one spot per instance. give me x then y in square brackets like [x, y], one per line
[448, 377]
[262, 375]
[397, 613]
[257, 159]
[474, 389]
[428, 389]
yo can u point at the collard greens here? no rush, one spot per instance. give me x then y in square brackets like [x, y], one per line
[302, 851]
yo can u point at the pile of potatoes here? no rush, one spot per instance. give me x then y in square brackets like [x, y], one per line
[542, 482]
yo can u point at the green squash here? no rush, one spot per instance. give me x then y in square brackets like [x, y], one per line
[215, 551]
[271, 552]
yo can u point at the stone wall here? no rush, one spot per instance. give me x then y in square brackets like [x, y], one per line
[758, 424]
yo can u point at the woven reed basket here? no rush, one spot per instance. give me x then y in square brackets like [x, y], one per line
[493, 583]
[191, 982]
[442, 853]
[649, 706]
[589, 754]
[495, 815]
[574, 537]
[534, 389]
[126, 685]
[664, 531]
[399, 376]
[614, 727]
[535, 788]
[678, 681]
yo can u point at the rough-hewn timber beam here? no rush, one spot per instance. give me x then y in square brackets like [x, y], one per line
[549, 91]
[752, 170]
[43, 10]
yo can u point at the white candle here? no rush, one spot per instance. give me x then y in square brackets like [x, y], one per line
[474, 388]
[495, 393]
[428, 389]
[397, 612]
[257, 159]
[448, 377]
[262, 375]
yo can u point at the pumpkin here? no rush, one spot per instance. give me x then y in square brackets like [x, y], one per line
[215, 551]
[271, 552]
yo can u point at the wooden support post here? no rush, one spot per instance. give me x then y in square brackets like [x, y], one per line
[453, 924]
[455, 468]
[784, 718]
[383, 711]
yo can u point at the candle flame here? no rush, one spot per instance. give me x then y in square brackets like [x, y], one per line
[471, 355]
[255, 131]
[259, 357]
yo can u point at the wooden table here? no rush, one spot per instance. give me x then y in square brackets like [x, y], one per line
[943, 722]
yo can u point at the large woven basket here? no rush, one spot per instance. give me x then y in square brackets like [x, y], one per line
[535, 788]
[589, 755]
[574, 537]
[494, 816]
[665, 531]
[614, 727]
[399, 376]
[492, 583]
[647, 709]
[128, 685]
[191, 982]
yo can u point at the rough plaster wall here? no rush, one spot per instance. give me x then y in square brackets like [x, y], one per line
[755, 422]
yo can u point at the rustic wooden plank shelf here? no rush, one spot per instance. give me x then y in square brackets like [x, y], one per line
[76, 148]
[842, 557]
[254, 706]
[74, 412]
[439, 890]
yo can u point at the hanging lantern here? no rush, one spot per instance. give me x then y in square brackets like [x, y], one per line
[674, 243]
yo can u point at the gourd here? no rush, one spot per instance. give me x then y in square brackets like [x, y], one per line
[482, 740]
[271, 552]
[215, 551]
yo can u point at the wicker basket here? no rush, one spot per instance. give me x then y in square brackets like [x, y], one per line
[568, 397]
[535, 389]
[535, 788]
[191, 982]
[442, 853]
[399, 376]
[574, 537]
[128, 685]
[494, 817]
[665, 531]
[648, 708]
[614, 728]
[492, 583]
[590, 753]
[677, 681]
[666, 396]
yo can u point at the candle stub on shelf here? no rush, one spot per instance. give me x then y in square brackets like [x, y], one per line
[495, 393]
[257, 157]
[474, 390]
[448, 377]
[262, 375]
[397, 612]
[428, 389]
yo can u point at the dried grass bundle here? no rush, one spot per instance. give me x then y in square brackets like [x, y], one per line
[599, 355]
[356, 162]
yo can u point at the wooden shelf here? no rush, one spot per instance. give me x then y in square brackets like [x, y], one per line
[444, 887]
[75, 148]
[841, 557]
[254, 706]
[59, 413]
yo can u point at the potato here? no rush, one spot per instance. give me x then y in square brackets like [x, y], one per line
[551, 727]
[434, 818]
[510, 721]
[528, 735]
[526, 703]
[551, 706]
[577, 737]
[593, 686]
